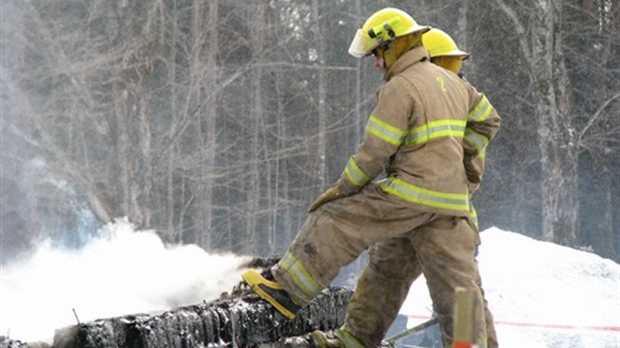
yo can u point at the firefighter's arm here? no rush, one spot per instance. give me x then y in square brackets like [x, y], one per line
[385, 131]
[483, 123]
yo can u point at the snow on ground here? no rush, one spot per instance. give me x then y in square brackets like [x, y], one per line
[542, 294]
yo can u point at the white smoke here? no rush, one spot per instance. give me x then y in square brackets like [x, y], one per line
[123, 272]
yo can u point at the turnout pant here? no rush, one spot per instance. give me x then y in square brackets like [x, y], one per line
[403, 242]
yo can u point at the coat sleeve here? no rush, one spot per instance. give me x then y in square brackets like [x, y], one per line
[483, 123]
[385, 131]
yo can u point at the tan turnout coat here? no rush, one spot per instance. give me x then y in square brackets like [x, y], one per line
[416, 133]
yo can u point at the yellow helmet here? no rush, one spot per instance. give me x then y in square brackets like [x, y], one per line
[382, 27]
[440, 44]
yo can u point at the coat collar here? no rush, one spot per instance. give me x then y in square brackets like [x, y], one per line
[410, 57]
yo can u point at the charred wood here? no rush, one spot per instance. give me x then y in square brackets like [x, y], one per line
[240, 320]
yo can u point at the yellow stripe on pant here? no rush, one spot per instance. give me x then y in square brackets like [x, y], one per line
[300, 275]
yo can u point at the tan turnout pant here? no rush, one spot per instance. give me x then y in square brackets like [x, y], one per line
[403, 242]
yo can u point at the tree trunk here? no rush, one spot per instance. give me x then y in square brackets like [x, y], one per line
[558, 155]
[321, 106]
[257, 114]
[206, 238]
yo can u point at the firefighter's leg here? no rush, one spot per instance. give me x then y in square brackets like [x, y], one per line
[445, 249]
[488, 318]
[328, 240]
[325, 243]
[335, 235]
[381, 290]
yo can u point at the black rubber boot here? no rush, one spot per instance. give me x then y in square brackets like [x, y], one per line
[272, 292]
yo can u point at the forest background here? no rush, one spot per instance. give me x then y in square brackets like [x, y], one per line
[218, 122]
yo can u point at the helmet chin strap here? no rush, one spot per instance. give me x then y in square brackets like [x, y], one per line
[394, 49]
[389, 54]
[451, 63]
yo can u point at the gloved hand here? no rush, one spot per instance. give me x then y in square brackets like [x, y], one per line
[469, 152]
[473, 172]
[474, 175]
[327, 196]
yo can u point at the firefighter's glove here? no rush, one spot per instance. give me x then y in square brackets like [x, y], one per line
[474, 175]
[469, 152]
[331, 194]
[473, 172]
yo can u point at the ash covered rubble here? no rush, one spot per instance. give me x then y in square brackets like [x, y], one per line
[238, 319]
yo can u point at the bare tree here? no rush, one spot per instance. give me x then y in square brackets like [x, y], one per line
[541, 46]
[592, 43]
[216, 123]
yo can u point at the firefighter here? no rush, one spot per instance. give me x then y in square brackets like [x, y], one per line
[445, 53]
[412, 221]
[443, 50]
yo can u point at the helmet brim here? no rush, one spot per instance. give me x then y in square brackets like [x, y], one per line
[455, 53]
[362, 45]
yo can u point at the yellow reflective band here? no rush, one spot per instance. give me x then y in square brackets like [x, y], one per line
[478, 141]
[355, 174]
[481, 111]
[347, 338]
[434, 130]
[384, 131]
[300, 275]
[473, 215]
[415, 194]
[482, 342]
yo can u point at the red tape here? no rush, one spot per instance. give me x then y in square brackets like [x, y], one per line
[548, 326]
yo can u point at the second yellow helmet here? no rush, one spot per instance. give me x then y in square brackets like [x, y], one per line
[440, 44]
